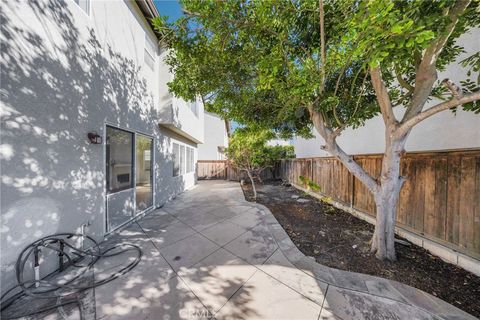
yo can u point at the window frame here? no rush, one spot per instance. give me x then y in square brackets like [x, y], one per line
[132, 164]
[186, 163]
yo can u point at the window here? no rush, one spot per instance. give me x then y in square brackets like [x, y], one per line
[143, 172]
[150, 52]
[119, 149]
[84, 5]
[192, 161]
[183, 159]
[189, 159]
[146, 159]
[176, 159]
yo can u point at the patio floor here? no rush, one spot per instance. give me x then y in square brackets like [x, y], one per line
[211, 253]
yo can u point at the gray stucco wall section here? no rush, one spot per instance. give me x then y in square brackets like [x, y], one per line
[64, 74]
[442, 131]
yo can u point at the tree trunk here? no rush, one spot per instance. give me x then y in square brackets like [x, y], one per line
[386, 200]
[253, 184]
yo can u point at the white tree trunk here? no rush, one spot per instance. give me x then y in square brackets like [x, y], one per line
[389, 184]
[253, 184]
[386, 200]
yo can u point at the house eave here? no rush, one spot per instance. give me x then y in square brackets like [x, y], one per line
[180, 132]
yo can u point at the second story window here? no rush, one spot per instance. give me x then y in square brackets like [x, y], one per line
[84, 5]
[150, 52]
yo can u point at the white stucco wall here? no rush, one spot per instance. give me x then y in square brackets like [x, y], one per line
[215, 136]
[279, 142]
[442, 131]
[64, 74]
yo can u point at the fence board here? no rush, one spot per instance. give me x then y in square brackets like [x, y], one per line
[221, 169]
[440, 198]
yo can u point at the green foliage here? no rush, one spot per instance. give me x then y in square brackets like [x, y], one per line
[258, 62]
[248, 149]
[328, 200]
[309, 184]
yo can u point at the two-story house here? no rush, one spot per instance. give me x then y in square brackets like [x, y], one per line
[90, 135]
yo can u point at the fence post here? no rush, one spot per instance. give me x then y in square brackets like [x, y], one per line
[352, 197]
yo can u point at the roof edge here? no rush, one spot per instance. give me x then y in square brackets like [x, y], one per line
[149, 11]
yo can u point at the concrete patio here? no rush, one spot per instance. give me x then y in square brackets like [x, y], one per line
[209, 253]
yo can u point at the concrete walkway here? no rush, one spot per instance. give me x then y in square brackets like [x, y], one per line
[211, 253]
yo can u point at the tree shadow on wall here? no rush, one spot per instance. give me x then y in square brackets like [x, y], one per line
[59, 82]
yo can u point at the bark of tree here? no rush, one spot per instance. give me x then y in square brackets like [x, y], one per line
[253, 184]
[386, 188]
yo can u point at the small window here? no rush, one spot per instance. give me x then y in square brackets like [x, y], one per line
[189, 159]
[84, 5]
[150, 52]
[182, 159]
[192, 160]
[176, 159]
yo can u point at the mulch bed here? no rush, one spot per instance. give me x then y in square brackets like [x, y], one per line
[339, 240]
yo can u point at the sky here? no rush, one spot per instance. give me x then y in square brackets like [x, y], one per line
[170, 8]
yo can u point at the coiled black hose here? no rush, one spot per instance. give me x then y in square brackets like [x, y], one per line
[48, 289]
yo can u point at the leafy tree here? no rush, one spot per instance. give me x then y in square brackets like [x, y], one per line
[249, 152]
[292, 65]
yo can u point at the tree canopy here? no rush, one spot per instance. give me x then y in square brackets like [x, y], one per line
[249, 151]
[291, 66]
[261, 61]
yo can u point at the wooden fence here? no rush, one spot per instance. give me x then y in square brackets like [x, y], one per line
[221, 169]
[439, 200]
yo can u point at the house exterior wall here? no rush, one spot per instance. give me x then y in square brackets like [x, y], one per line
[215, 136]
[442, 131]
[66, 73]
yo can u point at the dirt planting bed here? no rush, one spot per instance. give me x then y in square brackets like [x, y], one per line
[337, 239]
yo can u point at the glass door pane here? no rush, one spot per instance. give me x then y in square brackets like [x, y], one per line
[119, 176]
[144, 172]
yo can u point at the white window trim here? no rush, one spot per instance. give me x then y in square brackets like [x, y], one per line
[186, 160]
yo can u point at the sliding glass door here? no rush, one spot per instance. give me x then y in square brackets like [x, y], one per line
[129, 175]
[119, 176]
[143, 172]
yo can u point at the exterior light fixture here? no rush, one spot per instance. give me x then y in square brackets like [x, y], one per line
[94, 138]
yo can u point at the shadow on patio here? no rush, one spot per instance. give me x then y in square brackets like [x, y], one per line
[211, 254]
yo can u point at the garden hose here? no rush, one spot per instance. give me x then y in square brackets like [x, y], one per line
[48, 289]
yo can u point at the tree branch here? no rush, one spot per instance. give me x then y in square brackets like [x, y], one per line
[322, 45]
[427, 70]
[410, 123]
[334, 149]
[456, 90]
[402, 81]
[382, 97]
